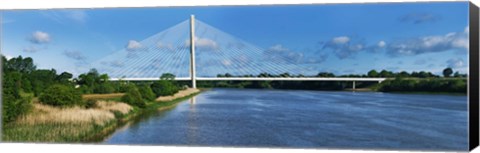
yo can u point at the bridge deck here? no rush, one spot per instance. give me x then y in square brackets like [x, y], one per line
[258, 79]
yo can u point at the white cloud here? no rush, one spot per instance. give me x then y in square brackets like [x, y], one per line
[39, 37]
[278, 48]
[344, 46]
[226, 62]
[133, 45]
[437, 43]
[381, 44]
[167, 46]
[456, 63]
[279, 53]
[341, 40]
[207, 43]
[76, 55]
[466, 30]
[461, 43]
[203, 43]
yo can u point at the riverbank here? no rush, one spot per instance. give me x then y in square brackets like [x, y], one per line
[51, 124]
[102, 96]
[179, 94]
[359, 89]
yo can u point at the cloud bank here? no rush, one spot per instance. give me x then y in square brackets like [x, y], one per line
[428, 44]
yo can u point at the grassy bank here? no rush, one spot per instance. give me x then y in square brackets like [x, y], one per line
[51, 124]
[168, 104]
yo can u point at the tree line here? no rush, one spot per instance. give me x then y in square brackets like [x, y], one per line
[421, 81]
[447, 72]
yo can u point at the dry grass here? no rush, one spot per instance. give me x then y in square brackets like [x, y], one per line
[102, 96]
[42, 114]
[47, 114]
[114, 106]
[179, 94]
[48, 132]
[53, 124]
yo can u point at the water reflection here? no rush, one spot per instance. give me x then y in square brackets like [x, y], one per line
[192, 122]
[193, 100]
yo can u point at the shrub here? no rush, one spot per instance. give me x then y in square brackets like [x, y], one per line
[164, 88]
[104, 88]
[85, 89]
[90, 103]
[426, 85]
[133, 97]
[123, 87]
[14, 101]
[13, 107]
[146, 92]
[61, 95]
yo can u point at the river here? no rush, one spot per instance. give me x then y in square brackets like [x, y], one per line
[305, 119]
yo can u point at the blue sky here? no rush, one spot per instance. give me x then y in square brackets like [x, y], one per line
[338, 38]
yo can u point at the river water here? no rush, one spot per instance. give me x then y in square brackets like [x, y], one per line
[305, 119]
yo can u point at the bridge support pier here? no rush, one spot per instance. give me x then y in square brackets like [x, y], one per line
[353, 86]
[192, 51]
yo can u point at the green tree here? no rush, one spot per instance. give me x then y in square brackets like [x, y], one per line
[13, 106]
[167, 76]
[164, 88]
[61, 95]
[423, 74]
[104, 88]
[228, 75]
[64, 77]
[285, 75]
[41, 79]
[447, 72]
[385, 73]
[457, 74]
[93, 82]
[13, 103]
[146, 92]
[20, 64]
[372, 73]
[325, 74]
[403, 74]
[133, 97]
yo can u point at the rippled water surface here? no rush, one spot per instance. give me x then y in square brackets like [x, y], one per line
[305, 119]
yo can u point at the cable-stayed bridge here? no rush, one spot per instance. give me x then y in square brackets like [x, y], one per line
[193, 50]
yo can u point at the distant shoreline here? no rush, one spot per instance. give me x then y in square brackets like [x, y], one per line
[360, 90]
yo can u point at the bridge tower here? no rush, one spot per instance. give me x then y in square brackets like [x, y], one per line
[192, 51]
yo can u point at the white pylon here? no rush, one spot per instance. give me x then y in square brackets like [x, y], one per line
[192, 51]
